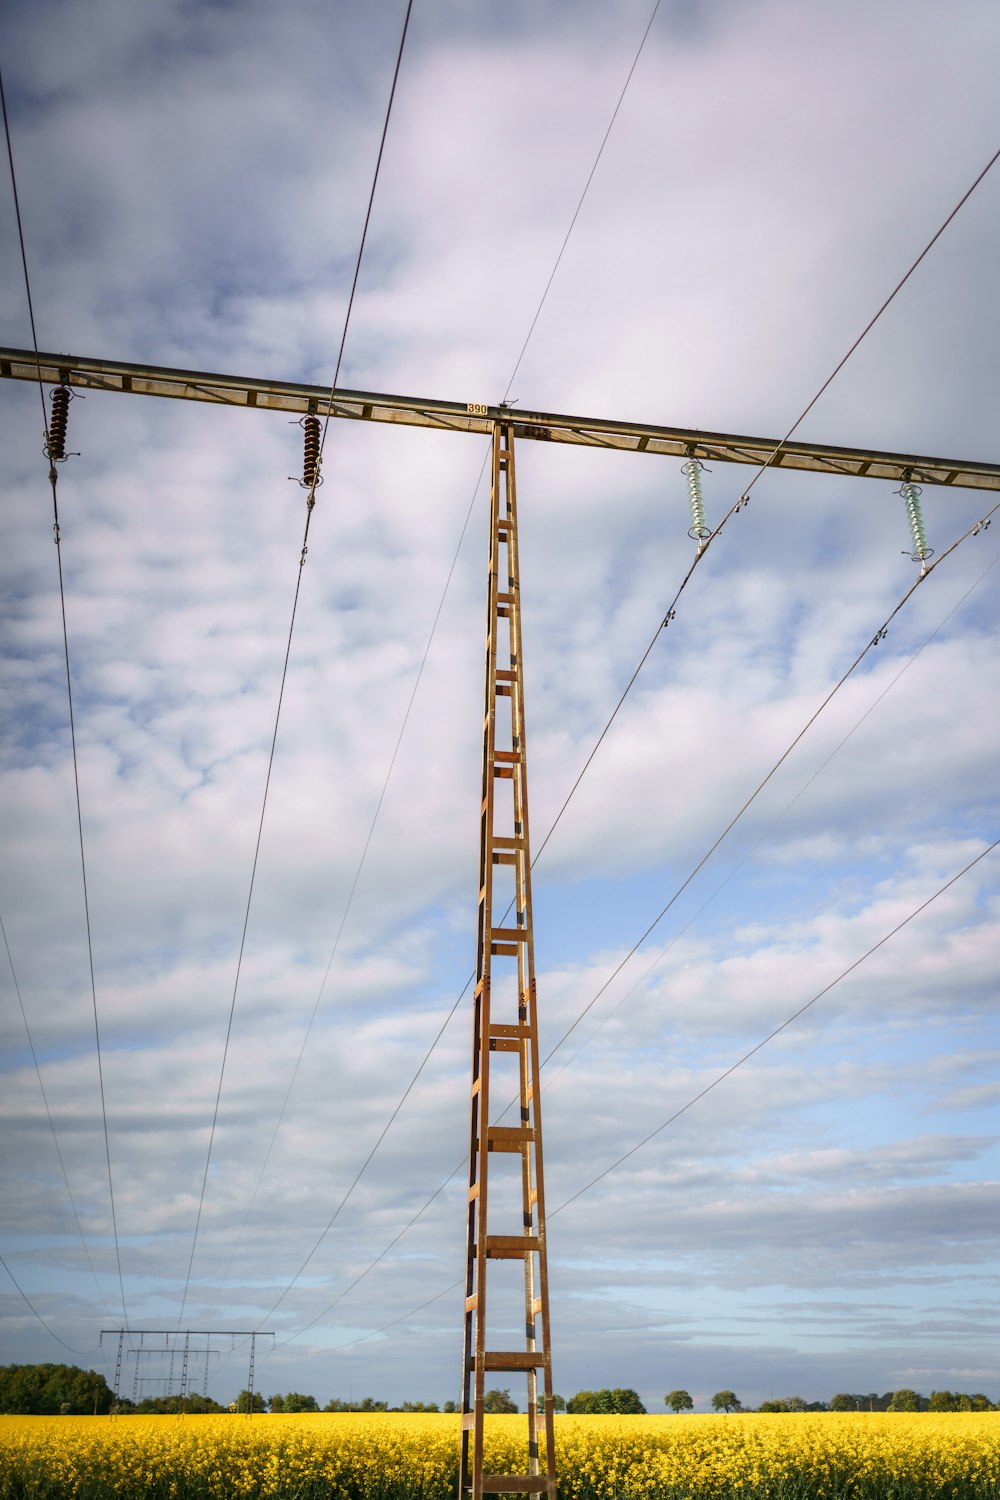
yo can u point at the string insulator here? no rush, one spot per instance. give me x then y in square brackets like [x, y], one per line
[310, 462]
[55, 448]
[911, 499]
[699, 530]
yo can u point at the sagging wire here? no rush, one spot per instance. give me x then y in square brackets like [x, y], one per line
[62, 408]
[981, 526]
[693, 474]
[315, 438]
[714, 1084]
[37, 1315]
[48, 1115]
[977, 529]
[784, 1025]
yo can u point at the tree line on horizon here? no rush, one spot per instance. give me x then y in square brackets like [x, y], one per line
[53, 1390]
[903, 1399]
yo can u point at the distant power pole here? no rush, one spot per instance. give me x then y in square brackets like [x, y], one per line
[186, 1342]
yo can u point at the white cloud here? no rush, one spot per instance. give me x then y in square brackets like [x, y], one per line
[193, 195]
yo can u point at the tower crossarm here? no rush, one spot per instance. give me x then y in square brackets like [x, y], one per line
[482, 417]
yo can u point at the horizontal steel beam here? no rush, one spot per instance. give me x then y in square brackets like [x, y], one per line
[479, 416]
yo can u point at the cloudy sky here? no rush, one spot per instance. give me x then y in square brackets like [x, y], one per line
[193, 184]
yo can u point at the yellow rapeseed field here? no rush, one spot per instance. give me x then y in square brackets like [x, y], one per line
[836, 1456]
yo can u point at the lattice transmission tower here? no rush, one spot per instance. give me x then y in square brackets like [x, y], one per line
[505, 1022]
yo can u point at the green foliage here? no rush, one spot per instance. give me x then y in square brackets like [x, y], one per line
[678, 1401]
[499, 1401]
[796, 1403]
[295, 1401]
[420, 1406]
[449, 1406]
[558, 1403]
[726, 1401]
[243, 1402]
[367, 1403]
[193, 1403]
[621, 1401]
[53, 1390]
[905, 1400]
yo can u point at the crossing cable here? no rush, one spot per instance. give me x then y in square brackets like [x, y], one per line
[743, 499]
[361, 250]
[696, 1099]
[310, 504]
[336, 945]
[770, 828]
[778, 1029]
[35, 1313]
[871, 324]
[371, 830]
[586, 190]
[53, 479]
[704, 544]
[48, 1113]
[973, 530]
[976, 529]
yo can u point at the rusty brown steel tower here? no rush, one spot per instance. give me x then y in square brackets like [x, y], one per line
[506, 1217]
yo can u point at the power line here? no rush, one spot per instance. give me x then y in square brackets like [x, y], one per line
[48, 1114]
[586, 190]
[336, 944]
[86, 1353]
[879, 635]
[771, 827]
[53, 478]
[392, 763]
[364, 236]
[670, 613]
[973, 530]
[778, 1029]
[371, 1264]
[703, 1092]
[310, 503]
[773, 455]
[704, 545]
[409, 707]
[871, 323]
[371, 830]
